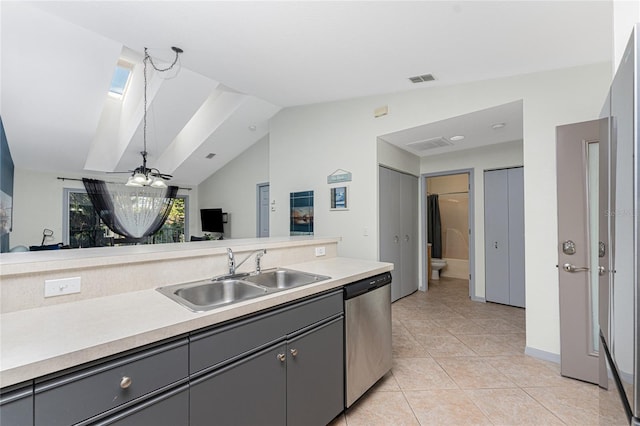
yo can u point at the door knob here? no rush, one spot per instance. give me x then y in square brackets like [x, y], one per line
[396, 239]
[406, 237]
[601, 270]
[495, 245]
[573, 268]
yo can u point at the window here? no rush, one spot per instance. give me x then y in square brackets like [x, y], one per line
[82, 226]
[120, 80]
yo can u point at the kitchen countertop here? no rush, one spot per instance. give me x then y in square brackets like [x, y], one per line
[40, 341]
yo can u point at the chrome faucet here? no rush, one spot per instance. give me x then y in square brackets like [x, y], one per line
[231, 260]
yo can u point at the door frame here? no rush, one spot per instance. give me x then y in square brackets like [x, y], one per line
[471, 220]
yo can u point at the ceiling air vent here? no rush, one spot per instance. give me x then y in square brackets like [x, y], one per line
[422, 78]
[210, 155]
[430, 144]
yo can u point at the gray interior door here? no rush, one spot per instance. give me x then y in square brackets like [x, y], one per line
[389, 225]
[576, 146]
[496, 236]
[263, 210]
[515, 178]
[409, 233]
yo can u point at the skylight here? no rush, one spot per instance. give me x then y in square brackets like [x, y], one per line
[120, 79]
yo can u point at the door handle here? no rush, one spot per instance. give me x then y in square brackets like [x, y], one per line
[396, 239]
[573, 268]
[495, 245]
[406, 238]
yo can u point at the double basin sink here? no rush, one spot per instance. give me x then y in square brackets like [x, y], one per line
[202, 296]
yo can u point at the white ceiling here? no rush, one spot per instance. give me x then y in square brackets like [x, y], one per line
[243, 61]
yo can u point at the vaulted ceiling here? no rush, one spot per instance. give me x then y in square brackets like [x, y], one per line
[244, 61]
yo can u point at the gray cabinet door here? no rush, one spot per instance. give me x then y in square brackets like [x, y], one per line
[504, 236]
[315, 375]
[389, 225]
[251, 391]
[516, 237]
[408, 234]
[16, 407]
[496, 236]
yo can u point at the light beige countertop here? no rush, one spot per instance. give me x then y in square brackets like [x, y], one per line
[39, 341]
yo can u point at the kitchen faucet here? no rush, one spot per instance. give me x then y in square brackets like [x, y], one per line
[231, 260]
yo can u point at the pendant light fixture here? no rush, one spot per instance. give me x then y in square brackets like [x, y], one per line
[143, 175]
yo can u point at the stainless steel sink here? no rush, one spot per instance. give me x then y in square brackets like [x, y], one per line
[227, 289]
[284, 278]
[206, 295]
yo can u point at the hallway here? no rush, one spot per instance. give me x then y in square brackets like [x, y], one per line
[462, 362]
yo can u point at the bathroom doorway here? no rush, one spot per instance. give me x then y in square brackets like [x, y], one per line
[448, 223]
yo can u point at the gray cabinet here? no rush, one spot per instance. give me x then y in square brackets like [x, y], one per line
[285, 366]
[251, 391]
[398, 229]
[504, 236]
[281, 367]
[89, 394]
[315, 375]
[16, 405]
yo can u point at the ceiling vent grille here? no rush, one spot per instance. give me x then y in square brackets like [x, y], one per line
[430, 144]
[422, 78]
[210, 156]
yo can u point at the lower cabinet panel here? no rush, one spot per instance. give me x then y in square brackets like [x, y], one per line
[251, 391]
[315, 378]
[170, 409]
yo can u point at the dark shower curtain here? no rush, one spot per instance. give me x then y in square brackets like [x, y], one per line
[434, 228]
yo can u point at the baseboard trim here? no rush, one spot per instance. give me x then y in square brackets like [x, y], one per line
[478, 299]
[543, 355]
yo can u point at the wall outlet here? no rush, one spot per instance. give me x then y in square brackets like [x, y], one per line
[61, 287]
[320, 251]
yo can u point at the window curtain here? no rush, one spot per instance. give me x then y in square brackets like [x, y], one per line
[434, 227]
[133, 212]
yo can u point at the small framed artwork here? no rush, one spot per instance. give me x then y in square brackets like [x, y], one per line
[339, 198]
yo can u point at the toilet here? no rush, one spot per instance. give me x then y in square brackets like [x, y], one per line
[436, 266]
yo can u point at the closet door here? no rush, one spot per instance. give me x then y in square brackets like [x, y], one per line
[409, 233]
[516, 236]
[389, 225]
[496, 236]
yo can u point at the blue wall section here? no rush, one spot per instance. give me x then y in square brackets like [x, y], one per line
[6, 179]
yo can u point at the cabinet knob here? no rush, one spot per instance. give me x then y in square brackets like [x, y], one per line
[282, 357]
[125, 382]
[294, 352]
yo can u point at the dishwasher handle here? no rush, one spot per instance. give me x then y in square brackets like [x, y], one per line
[363, 286]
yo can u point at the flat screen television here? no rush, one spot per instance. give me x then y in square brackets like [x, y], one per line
[211, 220]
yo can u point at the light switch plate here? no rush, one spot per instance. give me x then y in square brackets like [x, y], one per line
[61, 287]
[320, 251]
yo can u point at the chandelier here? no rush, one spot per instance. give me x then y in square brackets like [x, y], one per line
[143, 175]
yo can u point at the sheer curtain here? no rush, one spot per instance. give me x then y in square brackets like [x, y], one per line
[133, 212]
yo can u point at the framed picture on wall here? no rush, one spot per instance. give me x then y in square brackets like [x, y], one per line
[338, 198]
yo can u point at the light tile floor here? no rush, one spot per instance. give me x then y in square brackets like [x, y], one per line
[462, 362]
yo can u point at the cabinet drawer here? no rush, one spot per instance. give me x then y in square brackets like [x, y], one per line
[86, 393]
[169, 409]
[16, 406]
[226, 342]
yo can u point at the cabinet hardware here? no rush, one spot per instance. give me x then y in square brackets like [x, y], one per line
[282, 357]
[294, 352]
[125, 382]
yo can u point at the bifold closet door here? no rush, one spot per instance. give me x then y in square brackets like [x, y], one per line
[496, 236]
[389, 230]
[504, 236]
[398, 212]
[409, 233]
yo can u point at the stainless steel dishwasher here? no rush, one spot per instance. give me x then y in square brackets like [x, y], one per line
[367, 313]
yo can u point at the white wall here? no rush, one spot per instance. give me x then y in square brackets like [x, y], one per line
[310, 142]
[233, 188]
[481, 159]
[626, 13]
[37, 204]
